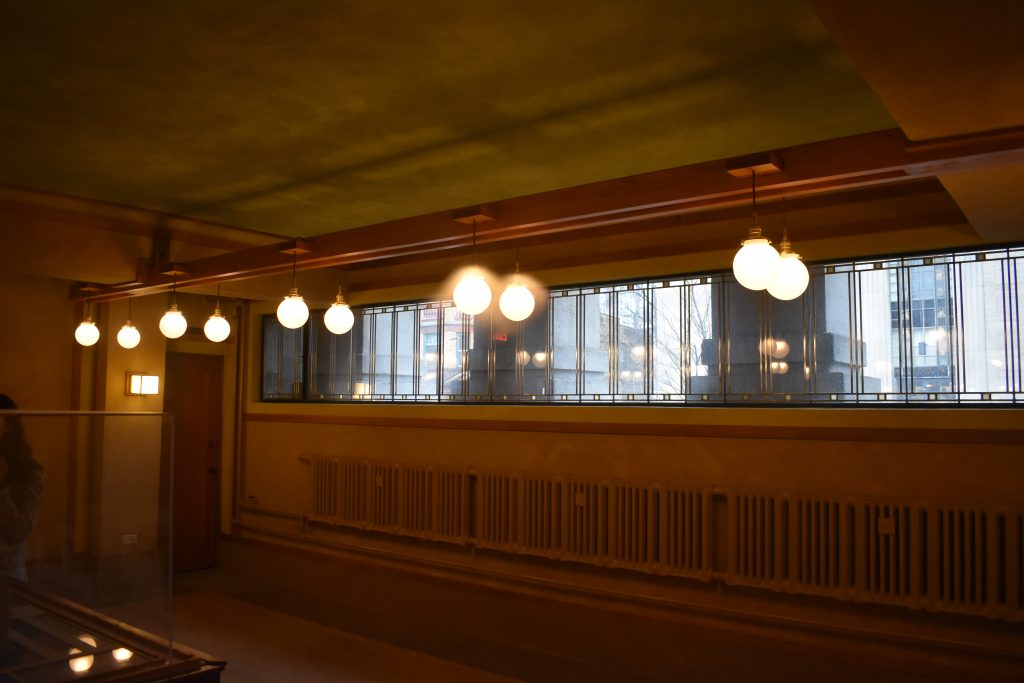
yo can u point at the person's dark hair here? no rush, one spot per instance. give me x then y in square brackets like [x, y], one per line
[14, 447]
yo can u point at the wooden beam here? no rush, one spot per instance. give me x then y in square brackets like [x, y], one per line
[801, 235]
[829, 166]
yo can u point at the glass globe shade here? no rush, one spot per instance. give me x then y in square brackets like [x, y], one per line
[472, 294]
[756, 263]
[123, 654]
[540, 359]
[217, 327]
[173, 324]
[87, 333]
[80, 664]
[791, 279]
[128, 337]
[339, 318]
[523, 357]
[516, 302]
[293, 312]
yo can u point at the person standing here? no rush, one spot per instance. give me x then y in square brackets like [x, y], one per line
[21, 496]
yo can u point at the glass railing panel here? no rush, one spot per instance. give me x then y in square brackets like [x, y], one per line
[86, 538]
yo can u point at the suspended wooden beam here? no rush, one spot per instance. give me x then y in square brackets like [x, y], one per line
[633, 202]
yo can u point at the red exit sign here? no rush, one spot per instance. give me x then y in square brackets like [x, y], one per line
[500, 337]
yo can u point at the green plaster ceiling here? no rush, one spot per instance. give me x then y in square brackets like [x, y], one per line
[302, 118]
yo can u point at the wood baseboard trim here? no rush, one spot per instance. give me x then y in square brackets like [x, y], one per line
[849, 642]
[799, 433]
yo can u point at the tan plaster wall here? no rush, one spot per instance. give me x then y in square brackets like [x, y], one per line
[36, 349]
[127, 474]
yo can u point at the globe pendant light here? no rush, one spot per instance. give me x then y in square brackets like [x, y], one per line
[756, 263]
[472, 294]
[128, 336]
[217, 327]
[173, 323]
[339, 319]
[792, 277]
[516, 303]
[87, 333]
[293, 312]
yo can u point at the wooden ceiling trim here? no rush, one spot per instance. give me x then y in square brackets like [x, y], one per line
[830, 166]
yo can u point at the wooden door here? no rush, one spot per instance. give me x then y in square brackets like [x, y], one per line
[193, 395]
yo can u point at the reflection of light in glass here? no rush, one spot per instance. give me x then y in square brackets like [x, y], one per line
[429, 357]
[79, 664]
[540, 359]
[523, 357]
[936, 336]
[624, 374]
[123, 654]
[996, 362]
[807, 371]
[777, 348]
[780, 367]
[637, 374]
[637, 351]
[88, 640]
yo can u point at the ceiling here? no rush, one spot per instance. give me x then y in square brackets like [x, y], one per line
[136, 135]
[304, 118]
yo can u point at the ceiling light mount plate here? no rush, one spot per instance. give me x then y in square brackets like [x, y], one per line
[296, 247]
[474, 214]
[175, 269]
[761, 163]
